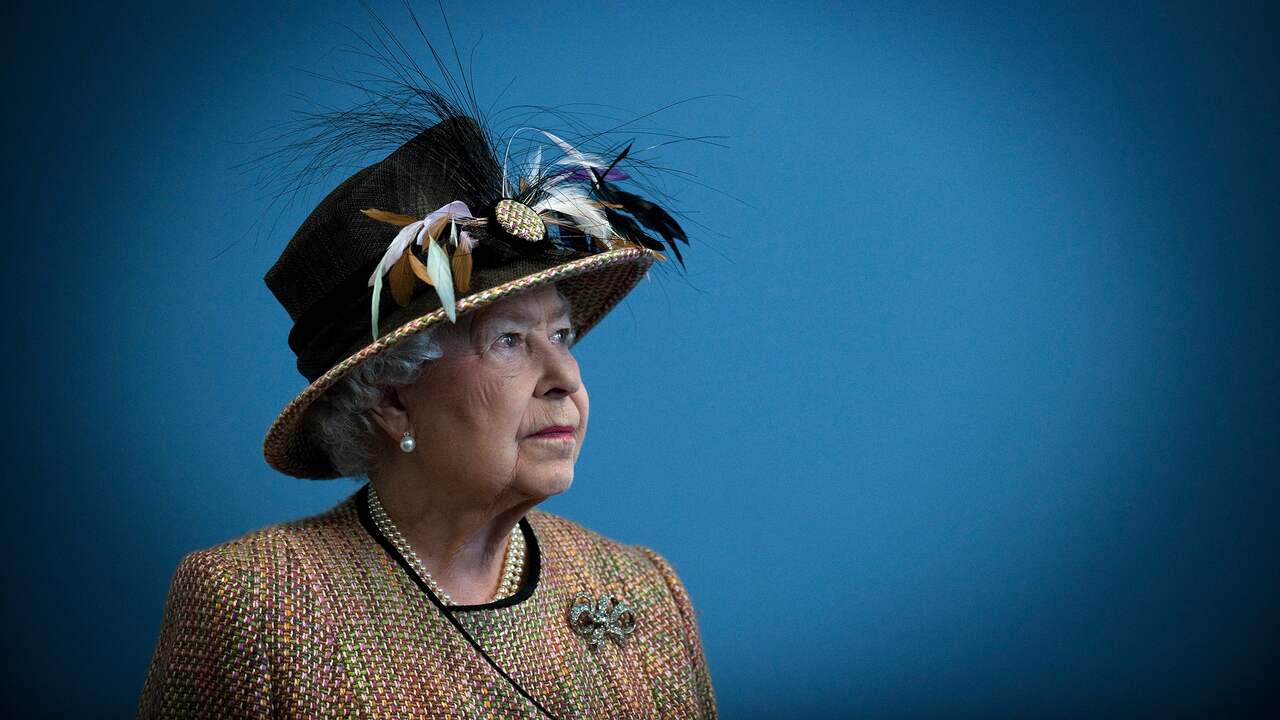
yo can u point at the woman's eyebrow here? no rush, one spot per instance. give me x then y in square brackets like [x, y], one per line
[565, 312]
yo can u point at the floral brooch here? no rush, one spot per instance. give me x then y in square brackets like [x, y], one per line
[597, 619]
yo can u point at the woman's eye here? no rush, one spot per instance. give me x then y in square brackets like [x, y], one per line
[563, 335]
[508, 340]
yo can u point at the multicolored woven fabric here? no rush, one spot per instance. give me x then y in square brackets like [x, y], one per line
[317, 619]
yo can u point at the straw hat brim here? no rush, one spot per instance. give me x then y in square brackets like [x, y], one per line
[593, 286]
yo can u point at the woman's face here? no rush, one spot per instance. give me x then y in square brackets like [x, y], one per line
[504, 412]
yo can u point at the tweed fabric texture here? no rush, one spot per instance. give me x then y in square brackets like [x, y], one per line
[315, 619]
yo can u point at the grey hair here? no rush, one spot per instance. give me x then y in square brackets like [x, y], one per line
[339, 419]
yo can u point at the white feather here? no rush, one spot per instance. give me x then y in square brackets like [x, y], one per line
[408, 235]
[442, 275]
[572, 156]
[574, 202]
[506, 190]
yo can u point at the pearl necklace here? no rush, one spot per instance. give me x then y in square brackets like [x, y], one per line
[513, 565]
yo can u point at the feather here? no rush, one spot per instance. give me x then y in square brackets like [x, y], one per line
[461, 262]
[506, 154]
[572, 156]
[414, 232]
[419, 269]
[628, 229]
[456, 210]
[389, 218]
[466, 241]
[610, 172]
[593, 175]
[417, 231]
[403, 239]
[649, 215]
[575, 203]
[625, 151]
[400, 279]
[438, 267]
[377, 293]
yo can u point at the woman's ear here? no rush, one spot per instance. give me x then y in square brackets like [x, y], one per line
[390, 415]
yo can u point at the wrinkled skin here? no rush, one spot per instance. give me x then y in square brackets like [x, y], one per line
[507, 373]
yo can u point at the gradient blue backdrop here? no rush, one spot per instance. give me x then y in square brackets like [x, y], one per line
[968, 406]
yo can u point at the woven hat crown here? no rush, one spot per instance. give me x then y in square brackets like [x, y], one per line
[321, 278]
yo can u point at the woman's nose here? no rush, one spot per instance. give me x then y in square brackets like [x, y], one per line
[559, 371]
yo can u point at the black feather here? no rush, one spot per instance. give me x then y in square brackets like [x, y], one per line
[649, 215]
[630, 230]
[600, 176]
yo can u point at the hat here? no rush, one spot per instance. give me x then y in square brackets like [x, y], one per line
[437, 229]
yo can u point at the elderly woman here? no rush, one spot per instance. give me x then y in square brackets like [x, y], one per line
[437, 590]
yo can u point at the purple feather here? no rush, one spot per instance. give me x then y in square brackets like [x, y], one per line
[584, 176]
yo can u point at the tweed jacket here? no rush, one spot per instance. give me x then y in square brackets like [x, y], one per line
[321, 618]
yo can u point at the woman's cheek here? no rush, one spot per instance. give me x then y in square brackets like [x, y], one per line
[584, 411]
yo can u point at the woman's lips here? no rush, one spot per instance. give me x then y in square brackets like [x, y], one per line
[555, 432]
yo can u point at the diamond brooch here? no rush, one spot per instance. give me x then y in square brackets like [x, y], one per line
[596, 619]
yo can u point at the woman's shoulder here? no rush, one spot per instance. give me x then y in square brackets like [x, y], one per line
[276, 548]
[583, 545]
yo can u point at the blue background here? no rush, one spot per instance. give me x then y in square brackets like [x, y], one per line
[967, 407]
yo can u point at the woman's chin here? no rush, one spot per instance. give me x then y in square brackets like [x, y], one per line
[545, 485]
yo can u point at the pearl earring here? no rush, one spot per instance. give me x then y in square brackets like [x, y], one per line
[407, 442]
